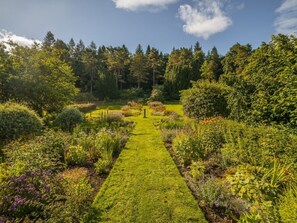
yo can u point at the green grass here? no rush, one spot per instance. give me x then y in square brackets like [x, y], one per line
[178, 108]
[145, 185]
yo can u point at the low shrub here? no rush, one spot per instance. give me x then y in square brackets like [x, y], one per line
[157, 108]
[17, 120]
[76, 155]
[68, 119]
[134, 105]
[24, 197]
[76, 200]
[84, 107]
[114, 117]
[102, 166]
[187, 148]
[43, 152]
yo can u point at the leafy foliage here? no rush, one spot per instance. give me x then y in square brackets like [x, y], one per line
[68, 119]
[17, 120]
[205, 99]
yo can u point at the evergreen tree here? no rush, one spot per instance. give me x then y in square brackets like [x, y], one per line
[49, 40]
[212, 66]
[154, 64]
[138, 66]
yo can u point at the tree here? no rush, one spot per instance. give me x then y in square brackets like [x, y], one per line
[198, 60]
[212, 66]
[41, 79]
[49, 40]
[179, 71]
[117, 59]
[5, 71]
[89, 58]
[154, 63]
[271, 73]
[234, 62]
[138, 67]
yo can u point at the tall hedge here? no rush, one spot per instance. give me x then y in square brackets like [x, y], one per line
[17, 120]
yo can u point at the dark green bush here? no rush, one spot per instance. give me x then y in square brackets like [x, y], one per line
[69, 118]
[17, 120]
[205, 99]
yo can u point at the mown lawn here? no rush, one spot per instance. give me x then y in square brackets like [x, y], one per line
[145, 185]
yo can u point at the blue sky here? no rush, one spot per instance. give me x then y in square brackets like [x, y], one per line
[161, 23]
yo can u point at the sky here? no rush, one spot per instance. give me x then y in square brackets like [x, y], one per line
[163, 24]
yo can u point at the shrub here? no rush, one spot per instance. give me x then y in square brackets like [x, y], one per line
[84, 107]
[77, 197]
[107, 143]
[213, 194]
[134, 105]
[68, 119]
[43, 152]
[103, 166]
[205, 99]
[197, 169]
[157, 94]
[26, 196]
[76, 155]
[157, 108]
[187, 148]
[17, 120]
[114, 117]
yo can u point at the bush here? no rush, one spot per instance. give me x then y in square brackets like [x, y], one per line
[25, 196]
[103, 166]
[157, 94]
[68, 119]
[157, 108]
[114, 117]
[205, 99]
[187, 148]
[17, 120]
[76, 155]
[77, 197]
[84, 107]
[43, 152]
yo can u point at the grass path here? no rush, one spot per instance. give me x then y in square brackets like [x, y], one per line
[145, 185]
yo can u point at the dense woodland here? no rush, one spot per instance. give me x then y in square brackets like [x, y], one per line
[236, 148]
[261, 82]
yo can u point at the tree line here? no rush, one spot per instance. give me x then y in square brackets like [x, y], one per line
[49, 75]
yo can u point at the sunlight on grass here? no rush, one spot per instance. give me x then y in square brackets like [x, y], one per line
[145, 185]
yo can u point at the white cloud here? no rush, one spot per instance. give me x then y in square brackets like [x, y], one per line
[286, 22]
[205, 20]
[7, 37]
[139, 5]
